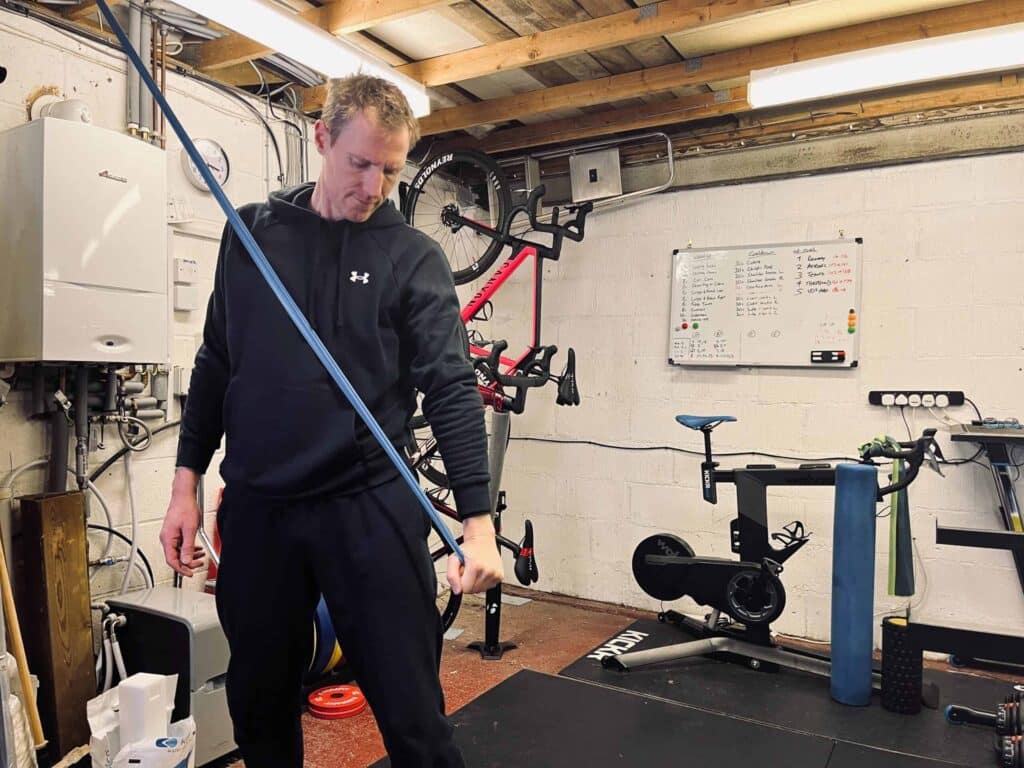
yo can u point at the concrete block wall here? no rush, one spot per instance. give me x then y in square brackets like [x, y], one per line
[942, 308]
[37, 56]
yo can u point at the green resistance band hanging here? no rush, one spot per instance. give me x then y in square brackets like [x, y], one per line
[901, 542]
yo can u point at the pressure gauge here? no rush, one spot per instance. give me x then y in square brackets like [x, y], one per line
[216, 160]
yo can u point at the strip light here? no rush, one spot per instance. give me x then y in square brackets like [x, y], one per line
[288, 34]
[920, 61]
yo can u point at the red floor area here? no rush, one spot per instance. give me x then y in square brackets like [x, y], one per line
[550, 633]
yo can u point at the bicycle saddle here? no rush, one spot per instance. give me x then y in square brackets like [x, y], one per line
[699, 422]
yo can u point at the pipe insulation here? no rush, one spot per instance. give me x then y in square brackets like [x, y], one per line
[134, 82]
[81, 411]
[57, 471]
[145, 98]
[275, 284]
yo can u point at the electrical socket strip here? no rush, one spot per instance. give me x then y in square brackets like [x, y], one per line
[916, 398]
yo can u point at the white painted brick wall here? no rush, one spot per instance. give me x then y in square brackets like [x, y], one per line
[37, 56]
[942, 307]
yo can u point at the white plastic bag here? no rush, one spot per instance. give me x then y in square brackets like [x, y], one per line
[176, 750]
[104, 727]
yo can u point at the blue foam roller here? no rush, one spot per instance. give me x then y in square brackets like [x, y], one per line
[853, 583]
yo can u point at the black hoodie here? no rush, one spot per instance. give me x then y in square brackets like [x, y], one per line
[380, 295]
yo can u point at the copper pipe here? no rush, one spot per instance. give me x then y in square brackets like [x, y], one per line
[163, 84]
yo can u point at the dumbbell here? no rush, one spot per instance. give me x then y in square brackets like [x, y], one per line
[1007, 721]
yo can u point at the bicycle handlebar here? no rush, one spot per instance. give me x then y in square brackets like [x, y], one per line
[913, 452]
[534, 371]
[573, 229]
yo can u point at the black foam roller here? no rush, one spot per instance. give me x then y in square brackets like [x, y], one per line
[902, 668]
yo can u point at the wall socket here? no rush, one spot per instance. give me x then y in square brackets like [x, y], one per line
[929, 398]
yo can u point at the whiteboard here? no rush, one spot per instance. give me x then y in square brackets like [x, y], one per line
[783, 304]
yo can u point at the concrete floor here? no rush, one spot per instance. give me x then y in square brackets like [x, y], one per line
[550, 632]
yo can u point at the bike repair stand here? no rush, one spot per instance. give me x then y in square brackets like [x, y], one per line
[492, 648]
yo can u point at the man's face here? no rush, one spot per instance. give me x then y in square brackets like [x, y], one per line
[362, 165]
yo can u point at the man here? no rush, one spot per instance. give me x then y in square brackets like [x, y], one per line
[311, 503]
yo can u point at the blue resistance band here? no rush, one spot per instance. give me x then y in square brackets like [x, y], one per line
[280, 291]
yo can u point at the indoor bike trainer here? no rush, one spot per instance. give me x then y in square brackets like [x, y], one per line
[748, 590]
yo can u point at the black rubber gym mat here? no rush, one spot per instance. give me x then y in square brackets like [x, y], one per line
[533, 720]
[800, 701]
[855, 756]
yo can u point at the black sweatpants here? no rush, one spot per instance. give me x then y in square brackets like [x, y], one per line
[367, 554]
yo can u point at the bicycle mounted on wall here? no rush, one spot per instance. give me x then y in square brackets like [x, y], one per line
[450, 199]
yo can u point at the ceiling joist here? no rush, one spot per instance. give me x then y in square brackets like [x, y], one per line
[913, 101]
[731, 64]
[80, 11]
[341, 17]
[660, 113]
[920, 99]
[649, 21]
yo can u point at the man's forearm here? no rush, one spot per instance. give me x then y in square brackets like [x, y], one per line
[185, 483]
[478, 526]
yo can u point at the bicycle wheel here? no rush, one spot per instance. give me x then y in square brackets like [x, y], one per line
[425, 455]
[467, 184]
[448, 603]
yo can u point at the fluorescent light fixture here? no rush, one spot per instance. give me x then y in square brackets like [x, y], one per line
[919, 61]
[289, 34]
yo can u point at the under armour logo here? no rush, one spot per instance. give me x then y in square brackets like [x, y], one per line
[357, 278]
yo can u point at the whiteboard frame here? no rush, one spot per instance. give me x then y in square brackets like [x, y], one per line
[855, 349]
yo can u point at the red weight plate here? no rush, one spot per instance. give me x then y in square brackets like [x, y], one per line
[337, 701]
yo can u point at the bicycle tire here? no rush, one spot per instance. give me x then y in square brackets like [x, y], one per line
[432, 190]
[425, 453]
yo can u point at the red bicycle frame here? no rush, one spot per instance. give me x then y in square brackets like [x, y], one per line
[493, 285]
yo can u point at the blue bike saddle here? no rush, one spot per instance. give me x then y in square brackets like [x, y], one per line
[699, 422]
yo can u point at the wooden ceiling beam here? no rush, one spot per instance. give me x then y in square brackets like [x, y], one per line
[623, 28]
[731, 64]
[341, 17]
[612, 121]
[80, 11]
[913, 101]
[733, 102]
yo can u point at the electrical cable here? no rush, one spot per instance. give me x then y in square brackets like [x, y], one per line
[975, 407]
[237, 96]
[294, 141]
[903, 415]
[683, 450]
[117, 455]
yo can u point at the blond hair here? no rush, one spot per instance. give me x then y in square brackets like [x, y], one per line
[348, 96]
